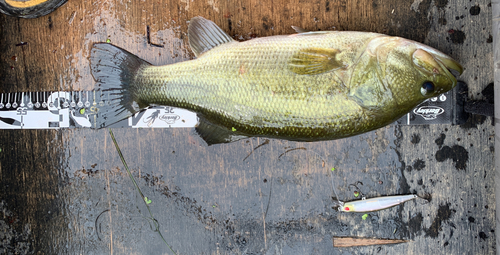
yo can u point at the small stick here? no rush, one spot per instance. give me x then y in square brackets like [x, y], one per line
[360, 241]
[298, 148]
[258, 146]
[148, 35]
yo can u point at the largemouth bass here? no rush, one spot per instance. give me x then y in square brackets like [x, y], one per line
[309, 86]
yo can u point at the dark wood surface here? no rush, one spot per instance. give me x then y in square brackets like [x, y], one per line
[496, 59]
[66, 191]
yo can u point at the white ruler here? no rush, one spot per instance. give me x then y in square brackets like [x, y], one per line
[62, 109]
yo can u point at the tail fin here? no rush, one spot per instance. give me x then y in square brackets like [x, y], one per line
[115, 70]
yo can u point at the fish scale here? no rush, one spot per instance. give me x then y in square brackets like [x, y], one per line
[280, 91]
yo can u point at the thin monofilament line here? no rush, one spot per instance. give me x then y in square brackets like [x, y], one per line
[156, 223]
[333, 188]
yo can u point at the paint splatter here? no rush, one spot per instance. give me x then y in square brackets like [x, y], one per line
[440, 140]
[456, 36]
[457, 153]
[441, 3]
[475, 10]
[443, 214]
[419, 165]
[415, 138]
[483, 236]
[415, 223]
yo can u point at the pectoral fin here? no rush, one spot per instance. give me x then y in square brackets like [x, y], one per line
[315, 61]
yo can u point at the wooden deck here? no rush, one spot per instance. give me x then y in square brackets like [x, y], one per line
[66, 192]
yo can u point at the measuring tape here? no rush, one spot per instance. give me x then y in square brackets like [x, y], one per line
[78, 109]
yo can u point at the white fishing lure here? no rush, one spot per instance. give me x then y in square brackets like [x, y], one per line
[374, 204]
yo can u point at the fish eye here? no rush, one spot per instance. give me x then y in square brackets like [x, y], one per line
[427, 88]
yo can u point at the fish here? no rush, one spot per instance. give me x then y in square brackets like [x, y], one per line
[308, 86]
[374, 204]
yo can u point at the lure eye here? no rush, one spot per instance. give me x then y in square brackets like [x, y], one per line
[346, 208]
[427, 88]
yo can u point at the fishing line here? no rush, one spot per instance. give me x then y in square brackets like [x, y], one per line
[98, 226]
[303, 148]
[333, 187]
[294, 149]
[95, 223]
[144, 199]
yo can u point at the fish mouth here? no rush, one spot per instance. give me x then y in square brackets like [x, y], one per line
[452, 68]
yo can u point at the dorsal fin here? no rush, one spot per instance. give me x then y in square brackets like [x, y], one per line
[204, 35]
[303, 31]
[300, 30]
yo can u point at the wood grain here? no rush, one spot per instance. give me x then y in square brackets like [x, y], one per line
[63, 192]
[358, 241]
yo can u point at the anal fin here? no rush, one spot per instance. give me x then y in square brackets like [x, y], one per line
[214, 134]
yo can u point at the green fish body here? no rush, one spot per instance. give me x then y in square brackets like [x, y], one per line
[309, 86]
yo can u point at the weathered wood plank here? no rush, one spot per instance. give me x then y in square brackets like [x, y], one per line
[64, 192]
[496, 61]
